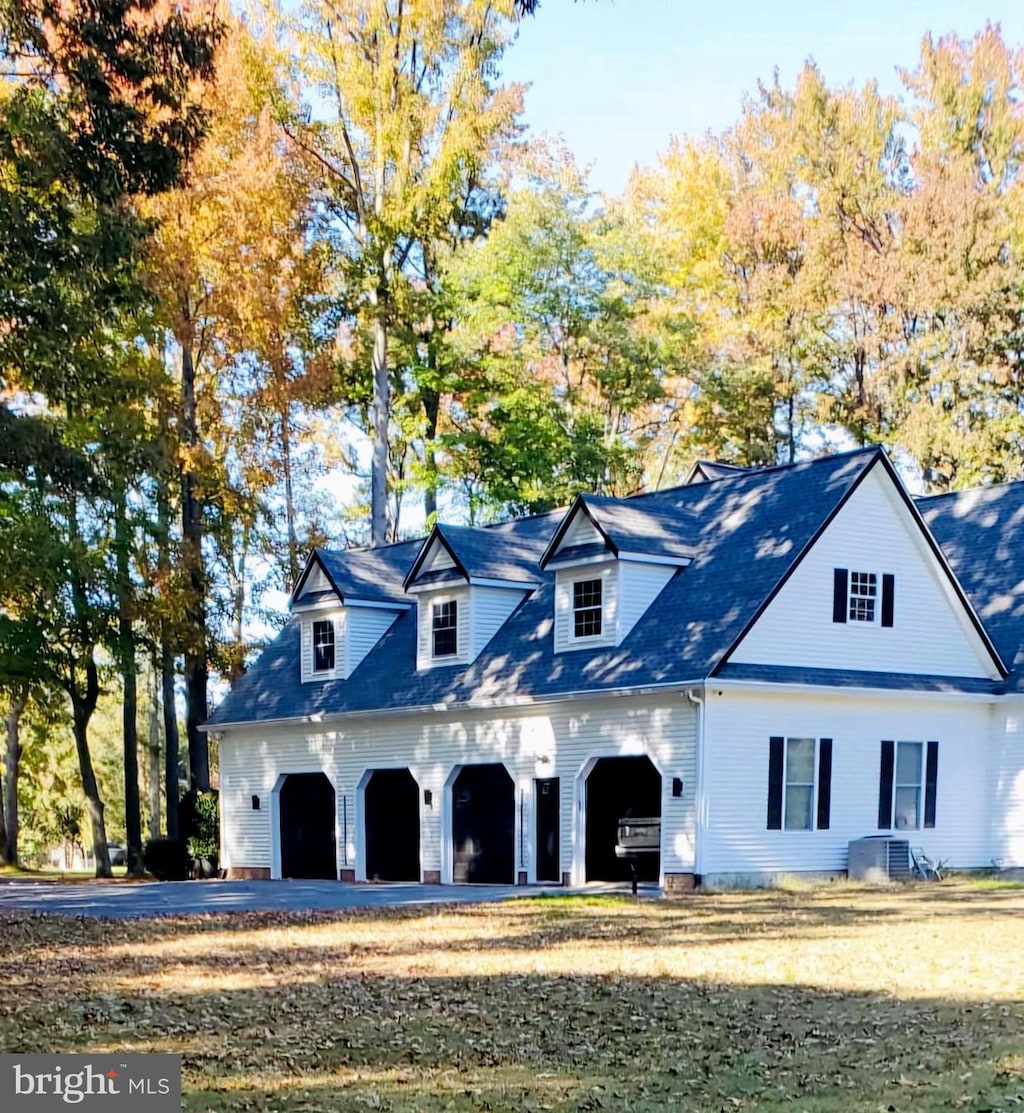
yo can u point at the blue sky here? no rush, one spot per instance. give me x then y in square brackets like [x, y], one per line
[618, 78]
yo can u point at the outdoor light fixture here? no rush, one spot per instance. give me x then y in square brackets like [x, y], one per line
[255, 802]
[428, 798]
[677, 786]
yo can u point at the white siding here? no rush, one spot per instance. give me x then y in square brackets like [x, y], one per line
[364, 627]
[557, 742]
[1007, 796]
[608, 573]
[639, 586]
[315, 583]
[489, 609]
[932, 633]
[438, 559]
[307, 620]
[424, 641]
[581, 532]
[734, 834]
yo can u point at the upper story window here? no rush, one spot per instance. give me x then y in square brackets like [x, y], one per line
[863, 596]
[323, 646]
[444, 629]
[587, 608]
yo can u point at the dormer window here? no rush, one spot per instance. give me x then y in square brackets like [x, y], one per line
[445, 623]
[863, 596]
[323, 646]
[587, 608]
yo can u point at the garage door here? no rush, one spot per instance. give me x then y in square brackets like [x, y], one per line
[391, 806]
[618, 787]
[308, 844]
[483, 825]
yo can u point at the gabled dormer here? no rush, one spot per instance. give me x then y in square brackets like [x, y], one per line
[611, 558]
[342, 611]
[466, 582]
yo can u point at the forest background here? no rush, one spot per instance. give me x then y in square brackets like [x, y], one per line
[249, 260]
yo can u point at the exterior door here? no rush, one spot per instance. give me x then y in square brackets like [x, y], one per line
[308, 842]
[546, 794]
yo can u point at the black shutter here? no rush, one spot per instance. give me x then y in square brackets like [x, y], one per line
[839, 595]
[776, 759]
[885, 787]
[824, 783]
[931, 779]
[888, 591]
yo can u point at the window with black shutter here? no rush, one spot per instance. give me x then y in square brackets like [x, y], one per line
[907, 786]
[445, 621]
[799, 784]
[323, 646]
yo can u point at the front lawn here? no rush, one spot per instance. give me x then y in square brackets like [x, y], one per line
[844, 1000]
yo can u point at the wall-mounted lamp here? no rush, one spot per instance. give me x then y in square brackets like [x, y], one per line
[428, 798]
[677, 786]
[255, 802]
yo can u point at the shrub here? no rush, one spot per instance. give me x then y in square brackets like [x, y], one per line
[167, 859]
[199, 817]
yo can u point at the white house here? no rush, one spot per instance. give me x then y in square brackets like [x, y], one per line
[774, 661]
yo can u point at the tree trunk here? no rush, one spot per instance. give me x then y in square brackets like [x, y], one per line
[171, 740]
[166, 666]
[83, 706]
[154, 763]
[129, 683]
[196, 668]
[289, 496]
[381, 413]
[13, 762]
[3, 826]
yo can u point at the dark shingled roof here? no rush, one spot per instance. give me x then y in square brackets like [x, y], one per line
[743, 534]
[981, 531]
[488, 554]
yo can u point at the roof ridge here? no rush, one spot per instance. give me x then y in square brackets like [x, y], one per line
[970, 490]
[757, 471]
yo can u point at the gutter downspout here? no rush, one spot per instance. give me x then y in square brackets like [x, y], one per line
[700, 795]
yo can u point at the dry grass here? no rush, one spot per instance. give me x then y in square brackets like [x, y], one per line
[839, 1000]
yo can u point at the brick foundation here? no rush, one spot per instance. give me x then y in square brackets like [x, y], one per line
[348, 876]
[248, 873]
[431, 877]
[678, 884]
[566, 880]
[521, 877]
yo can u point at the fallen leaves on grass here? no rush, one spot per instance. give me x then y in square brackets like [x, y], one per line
[848, 1001]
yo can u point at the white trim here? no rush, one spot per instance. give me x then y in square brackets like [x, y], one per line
[837, 690]
[457, 580]
[645, 558]
[378, 604]
[454, 706]
[514, 585]
[579, 562]
[332, 604]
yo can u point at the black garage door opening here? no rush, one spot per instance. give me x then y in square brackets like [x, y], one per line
[391, 807]
[483, 825]
[308, 844]
[618, 787]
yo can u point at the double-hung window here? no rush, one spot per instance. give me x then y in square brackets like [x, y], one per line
[445, 629]
[908, 784]
[863, 596]
[323, 646]
[587, 608]
[799, 784]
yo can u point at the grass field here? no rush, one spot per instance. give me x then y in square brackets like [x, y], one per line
[840, 1000]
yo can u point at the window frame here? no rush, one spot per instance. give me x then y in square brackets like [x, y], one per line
[813, 784]
[589, 608]
[919, 786]
[872, 597]
[452, 627]
[329, 624]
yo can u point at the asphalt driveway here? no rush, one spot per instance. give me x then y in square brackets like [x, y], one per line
[119, 901]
